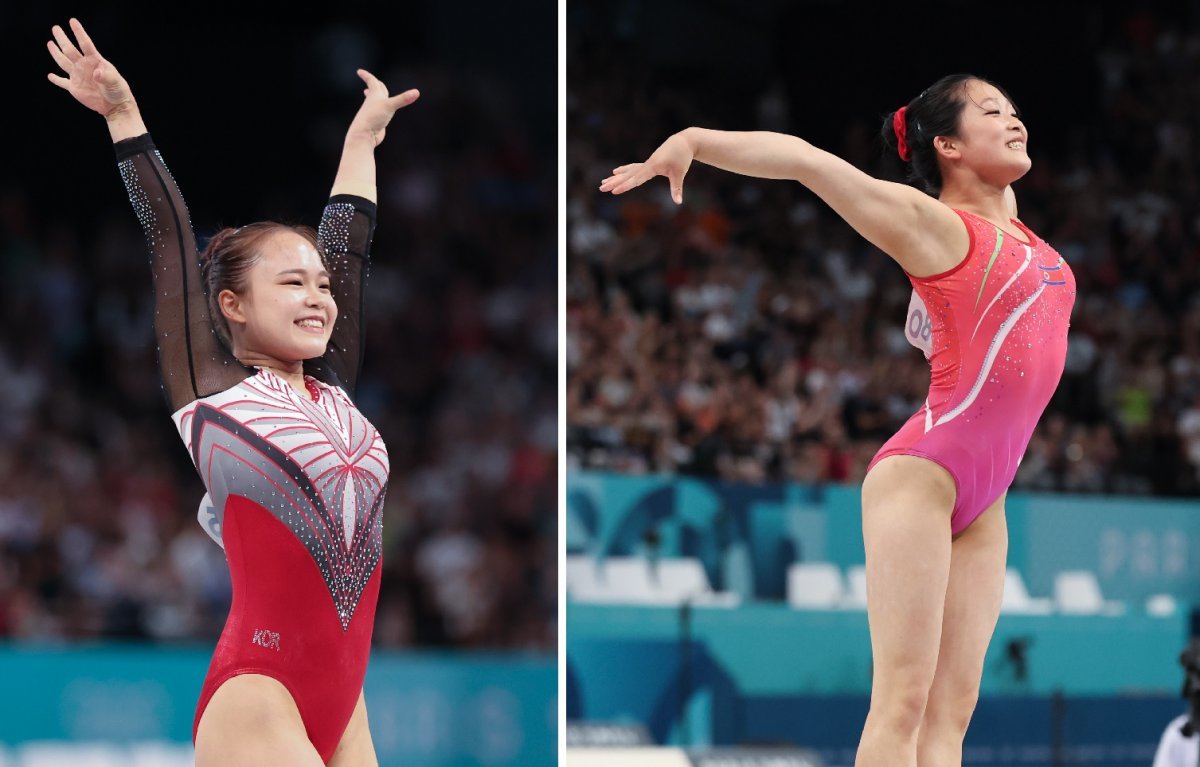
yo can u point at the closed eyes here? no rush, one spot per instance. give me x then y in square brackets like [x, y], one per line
[301, 284]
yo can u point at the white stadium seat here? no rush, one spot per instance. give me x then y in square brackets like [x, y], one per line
[93, 754]
[681, 578]
[582, 574]
[815, 585]
[60, 754]
[1016, 598]
[1077, 592]
[627, 579]
[1161, 605]
[856, 595]
[635, 580]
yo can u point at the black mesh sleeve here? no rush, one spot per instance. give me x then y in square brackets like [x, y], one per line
[191, 358]
[345, 238]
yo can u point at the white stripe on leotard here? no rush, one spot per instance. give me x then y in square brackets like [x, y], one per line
[990, 359]
[1007, 285]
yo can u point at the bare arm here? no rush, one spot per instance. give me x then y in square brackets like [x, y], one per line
[128, 124]
[923, 235]
[356, 171]
[356, 749]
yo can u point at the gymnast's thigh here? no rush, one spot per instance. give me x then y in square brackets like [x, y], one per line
[253, 720]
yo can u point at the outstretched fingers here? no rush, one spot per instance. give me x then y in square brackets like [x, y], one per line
[634, 180]
[377, 87]
[85, 41]
[61, 82]
[58, 56]
[610, 183]
[372, 82]
[64, 43]
[369, 80]
[631, 178]
[402, 100]
[619, 175]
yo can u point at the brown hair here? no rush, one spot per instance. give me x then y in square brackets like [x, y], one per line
[228, 258]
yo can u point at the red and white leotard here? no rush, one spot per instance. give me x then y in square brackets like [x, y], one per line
[994, 329]
[295, 482]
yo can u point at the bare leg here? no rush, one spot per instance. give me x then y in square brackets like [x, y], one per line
[907, 502]
[251, 720]
[356, 749]
[977, 561]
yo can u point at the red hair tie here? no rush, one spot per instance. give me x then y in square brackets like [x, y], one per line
[900, 126]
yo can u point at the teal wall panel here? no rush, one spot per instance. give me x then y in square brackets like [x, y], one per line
[747, 534]
[426, 710]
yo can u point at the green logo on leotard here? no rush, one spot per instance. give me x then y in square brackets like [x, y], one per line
[988, 270]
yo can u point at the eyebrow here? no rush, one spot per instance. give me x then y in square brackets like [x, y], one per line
[301, 272]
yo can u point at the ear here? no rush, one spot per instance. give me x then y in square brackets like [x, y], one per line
[232, 307]
[947, 146]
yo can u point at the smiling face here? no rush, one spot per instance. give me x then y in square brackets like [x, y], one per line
[286, 312]
[991, 140]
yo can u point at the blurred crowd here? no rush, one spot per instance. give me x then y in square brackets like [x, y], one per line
[98, 498]
[751, 335]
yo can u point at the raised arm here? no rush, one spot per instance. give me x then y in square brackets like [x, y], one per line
[346, 230]
[923, 235]
[192, 360]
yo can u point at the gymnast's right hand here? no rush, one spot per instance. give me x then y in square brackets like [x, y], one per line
[672, 159]
[91, 79]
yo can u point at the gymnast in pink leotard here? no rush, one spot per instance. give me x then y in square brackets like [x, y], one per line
[990, 308]
[994, 329]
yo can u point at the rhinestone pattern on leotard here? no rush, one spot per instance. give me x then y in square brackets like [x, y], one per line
[319, 467]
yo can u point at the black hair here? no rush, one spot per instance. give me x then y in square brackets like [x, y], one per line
[936, 112]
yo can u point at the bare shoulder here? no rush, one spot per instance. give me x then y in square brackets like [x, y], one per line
[939, 239]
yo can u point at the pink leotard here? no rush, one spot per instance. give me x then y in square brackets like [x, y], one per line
[994, 329]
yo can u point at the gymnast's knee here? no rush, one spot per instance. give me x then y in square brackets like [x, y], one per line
[950, 714]
[900, 708]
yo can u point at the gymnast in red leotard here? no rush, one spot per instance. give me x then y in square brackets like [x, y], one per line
[260, 344]
[990, 308]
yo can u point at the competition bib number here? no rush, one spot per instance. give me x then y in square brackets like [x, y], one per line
[919, 328]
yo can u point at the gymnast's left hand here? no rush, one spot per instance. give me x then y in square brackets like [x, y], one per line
[377, 108]
[672, 159]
